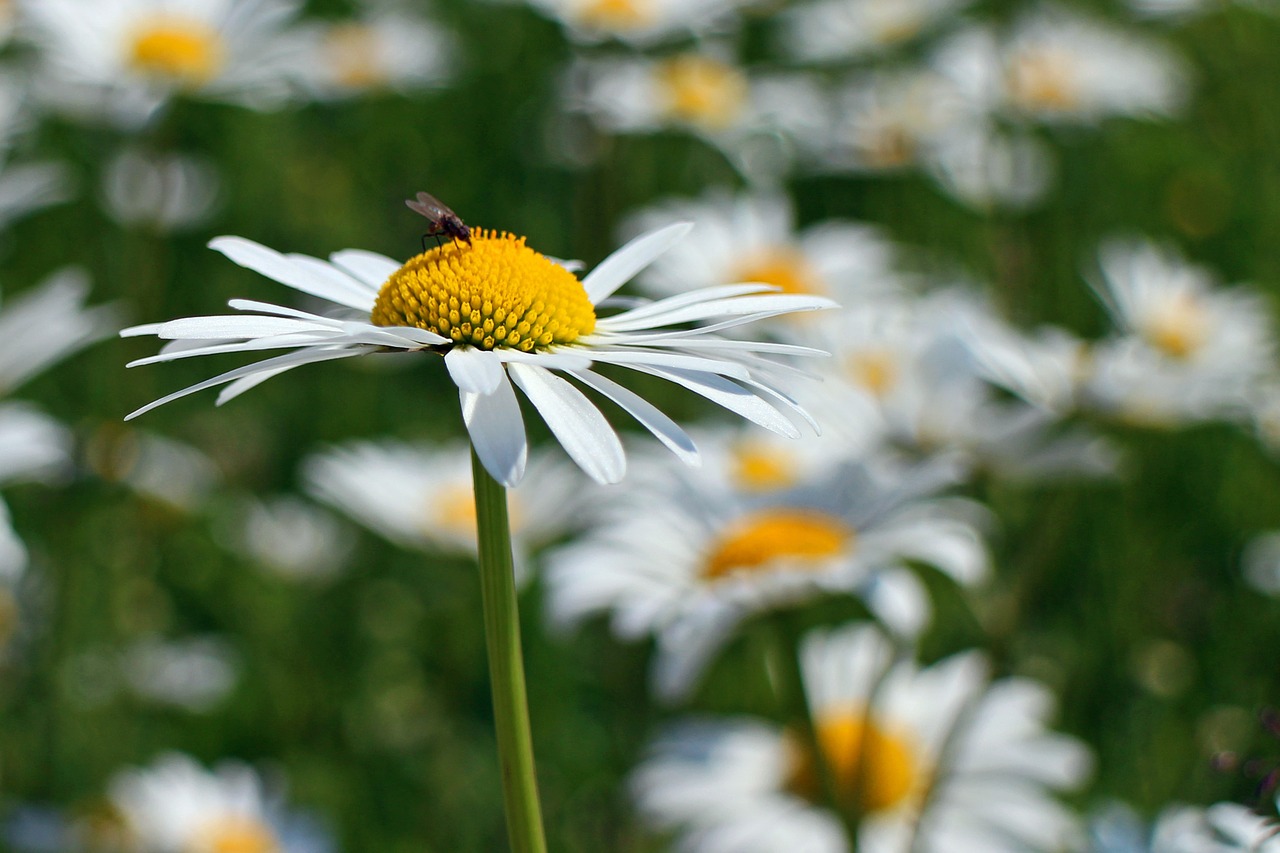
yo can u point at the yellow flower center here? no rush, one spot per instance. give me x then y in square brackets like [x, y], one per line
[182, 49]
[1044, 80]
[702, 91]
[352, 50]
[783, 267]
[758, 468]
[494, 292]
[1179, 328]
[875, 370]
[793, 535]
[887, 146]
[618, 15]
[873, 768]
[237, 835]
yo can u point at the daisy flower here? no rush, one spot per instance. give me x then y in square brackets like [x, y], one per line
[753, 237]
[690, 565]
[1058, 66]
[161, 192]
[386, 47]
[843, 30]
[176, 804]
[123, 60]
[1188, 350]
[640, 22]
[504, 316]
[420, 496]
[935, 760]
[705, 94]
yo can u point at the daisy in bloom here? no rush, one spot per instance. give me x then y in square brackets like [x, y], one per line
[690, 565]
[420, 496]
[1058, 66]
[752, 237]
[175, 804]
[161, 192]
[387, 47]
[506, 317]
[123, 60]
[703, 93]
[841, 30]
[288, 536]
[1188, 349]
[936, 759]
[640, 22]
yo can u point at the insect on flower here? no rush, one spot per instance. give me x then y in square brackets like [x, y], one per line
[443, 219]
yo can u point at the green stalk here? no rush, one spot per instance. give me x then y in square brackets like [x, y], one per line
[506, 664]
[798, 709]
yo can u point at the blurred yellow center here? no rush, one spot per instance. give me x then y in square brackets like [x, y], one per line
[762, 538]
[617, 14]
[874, 370]
[887, 146]
[1044, 80]
[873, 769]
[238, 835]
[702, 91]
[783, 267]
[758, 468]
[186, 50]
[353, 51]
[456, 512]
[1180, 328]
[494, 292]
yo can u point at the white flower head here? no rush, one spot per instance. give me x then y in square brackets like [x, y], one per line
[163, 192]
[641, 22]
[1059, 66]
[386, 47]
[844, 30]
[506, 317]
[123, 60]
[175, 804]
[708, 95]
[420, 496]
[1188, 350]
[690, 567]
[753, 237]
[935, 759]
[289, 537]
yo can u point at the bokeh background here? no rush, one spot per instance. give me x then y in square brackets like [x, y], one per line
[361, 687]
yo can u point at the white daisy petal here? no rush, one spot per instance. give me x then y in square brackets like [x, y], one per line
[475, 370]
[731, 396]
[617, 269]
[231, 326]
[650, 417]
[281, 268]
[497, 432]
[370, 267]
[576, 423]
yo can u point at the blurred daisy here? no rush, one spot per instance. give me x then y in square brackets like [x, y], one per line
[701, 93]
[1059, 66]
[420, 496]
[44, 325]
[689, 565]
[161, 192]
[984, 167]
[122, 61]
[843, 30]
[176, 804]
[289, 537]
[194, 673]
[501, 313]
[641, 22]
[753, 237]
[1189, 350]
[155, 466]
[1220, 828]
[935, 760]
[387, 47]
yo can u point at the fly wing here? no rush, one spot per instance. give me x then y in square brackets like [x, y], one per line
[429, 206]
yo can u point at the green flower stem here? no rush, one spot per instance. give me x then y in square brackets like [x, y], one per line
[506, 664]
[800, 713]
